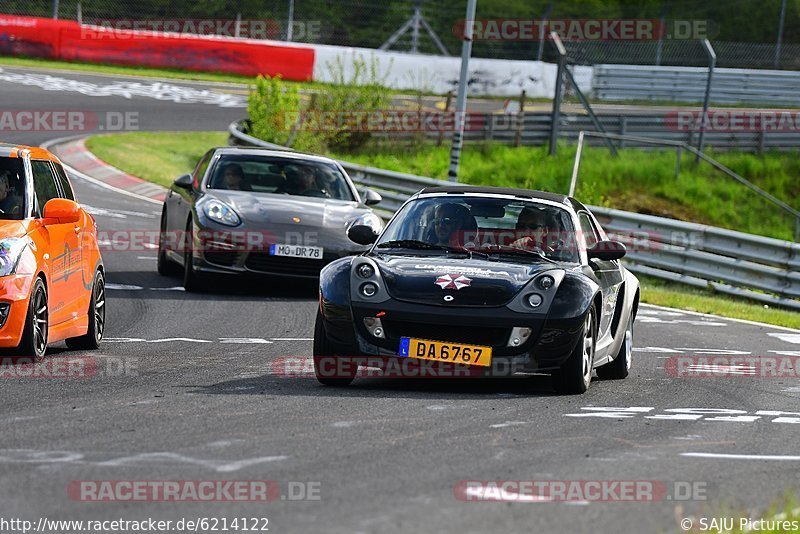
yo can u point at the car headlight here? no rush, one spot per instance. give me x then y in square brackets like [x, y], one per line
[221, 213]
[369, 219]
[10, 252]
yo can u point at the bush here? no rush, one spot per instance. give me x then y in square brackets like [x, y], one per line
[279, 115]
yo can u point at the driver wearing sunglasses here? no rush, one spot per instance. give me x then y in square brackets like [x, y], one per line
[532, 229]
[448, 220]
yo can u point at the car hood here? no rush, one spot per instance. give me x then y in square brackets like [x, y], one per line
[471, 282]
[15, 228]
[322, 222]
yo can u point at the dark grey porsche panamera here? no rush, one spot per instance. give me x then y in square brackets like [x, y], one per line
[257, 211]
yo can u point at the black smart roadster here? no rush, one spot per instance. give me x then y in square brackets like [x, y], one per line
[484, 280]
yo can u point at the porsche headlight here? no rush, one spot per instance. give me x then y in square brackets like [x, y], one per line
[10, 252]
[221, 213]
[369, 219]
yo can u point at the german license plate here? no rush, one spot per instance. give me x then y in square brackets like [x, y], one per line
[441, 351]
[296, 251]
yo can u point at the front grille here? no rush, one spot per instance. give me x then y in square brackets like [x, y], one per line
[264, 262]
[475, 335]
[225, 258]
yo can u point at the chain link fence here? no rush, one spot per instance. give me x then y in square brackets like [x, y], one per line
[745, 33]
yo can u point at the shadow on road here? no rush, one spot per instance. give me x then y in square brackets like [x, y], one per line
[429, 388]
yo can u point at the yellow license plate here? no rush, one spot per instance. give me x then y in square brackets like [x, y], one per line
[440, 351]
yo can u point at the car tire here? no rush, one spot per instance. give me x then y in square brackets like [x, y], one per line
[97, 317]
[324, 350]
[192, 280]
[620, 366]
[575, 375]
[34, 337]
[164, 265]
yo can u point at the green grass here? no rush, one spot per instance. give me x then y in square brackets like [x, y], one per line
[156, 157]
[674, 295]
[641, 181]
[162, 156]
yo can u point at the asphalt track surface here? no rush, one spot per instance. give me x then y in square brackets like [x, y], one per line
[188, 388]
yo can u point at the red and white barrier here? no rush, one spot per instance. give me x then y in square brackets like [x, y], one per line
[69, 41]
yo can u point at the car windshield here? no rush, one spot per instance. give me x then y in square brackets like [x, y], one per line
[12, 189]
[514, 229]
[276, 175]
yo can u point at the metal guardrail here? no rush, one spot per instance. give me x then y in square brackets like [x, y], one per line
[736, 263]
[688, 84]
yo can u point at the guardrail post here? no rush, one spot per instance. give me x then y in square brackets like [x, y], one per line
[573, 184]
[678, 162]
[446, 111]
[712, 63]
[520, 119]
[556, 115]
[797, 230]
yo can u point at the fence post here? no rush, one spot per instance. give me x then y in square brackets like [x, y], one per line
[712, 63]
[780, 34]
[678, 162]
[623, 129]
[55, 9]
[446, 111]
[520, 119]
[80, 14]
[290, 21]
[237, 28]
[556, 115]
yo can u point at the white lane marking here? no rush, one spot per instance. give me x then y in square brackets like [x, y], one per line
[789, 338]
[343, 424]
[187, 339]
[654, 349]
[249, 340]
[505, 495]
[786, 352]
[123, 287]
[691, 322]
[292, 339]
[123, 339]
[507, 424]
[126, 89]
[741, 456]
[744, 370]
[115, 213]
[153, 258]
[731, 319]
[660, 312]
[715, 352]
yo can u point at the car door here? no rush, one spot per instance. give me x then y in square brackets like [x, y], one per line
[179, 202]
[606, 273]
[63, 254]
[84, 266]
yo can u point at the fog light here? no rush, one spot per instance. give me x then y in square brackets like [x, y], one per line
[4, 309]
[546, 282]
[374, 326]
[534, 300]
[519, 335]
[369, 289]
[365, 270]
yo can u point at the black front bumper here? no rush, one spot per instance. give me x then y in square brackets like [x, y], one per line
[549, 345]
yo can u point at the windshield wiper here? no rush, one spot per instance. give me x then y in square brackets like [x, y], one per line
[415, 244]
[505, 249]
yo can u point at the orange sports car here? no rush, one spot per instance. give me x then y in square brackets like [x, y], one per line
[52, 284]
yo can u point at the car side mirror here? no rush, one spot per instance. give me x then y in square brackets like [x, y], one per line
[184, 181]
[362, 234]
[372, 197]
[61, 211]
[607, 250]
